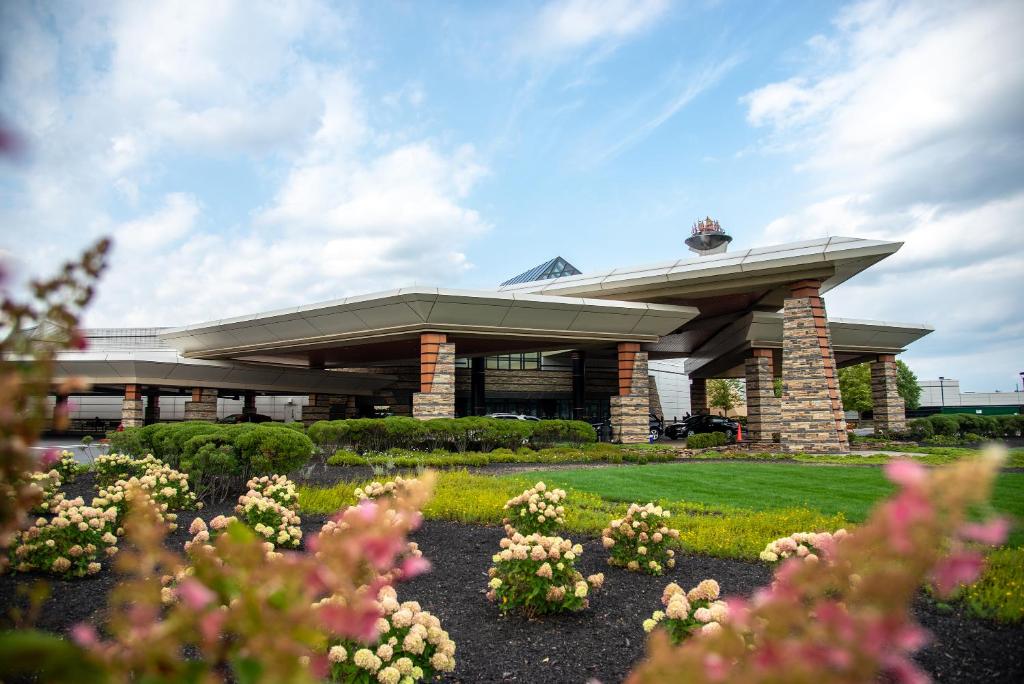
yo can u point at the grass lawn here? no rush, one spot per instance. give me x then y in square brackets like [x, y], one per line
[761, 486]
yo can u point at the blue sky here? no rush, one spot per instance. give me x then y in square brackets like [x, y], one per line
[248, 156]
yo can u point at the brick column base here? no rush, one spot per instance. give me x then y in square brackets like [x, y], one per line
[812, 412]
[764, 409]
[439, 400]
[132, 413]
[889, 410]
[203, 405]
[630, 411]
[318, 408]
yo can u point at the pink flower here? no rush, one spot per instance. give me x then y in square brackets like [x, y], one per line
[84, 635]
[956, 569]
[905, 473]
[50, 456]
[413, 566]
[210, 625]
[195, 595]
[992, 532]
[349, 622]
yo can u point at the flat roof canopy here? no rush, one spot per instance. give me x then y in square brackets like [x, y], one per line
[853, 342]
[385, 326]
[729, 282]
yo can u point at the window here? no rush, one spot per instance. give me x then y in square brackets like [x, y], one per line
[529, 361]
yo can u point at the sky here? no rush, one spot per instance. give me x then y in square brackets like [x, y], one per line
[247, 156]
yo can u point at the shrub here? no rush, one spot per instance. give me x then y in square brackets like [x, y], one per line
[113, 467]
[537, 574]
[272, 521]
[640, 541]
[944, 425]
[127, 441]
[575, 432]
[45, 486]
[167, 488]
[67, 466]
[802, 545]
[276, 487]
[706, 440]
[689, 612]
[72, 543]
[999, 592]
[943, 441]
[537, 510]
[411, 646]
[376, 490]
[344, 457]
[920, 429]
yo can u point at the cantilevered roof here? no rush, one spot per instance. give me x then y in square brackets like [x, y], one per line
[554, 268]
[853, 341]
[379, 327]
[726, 282]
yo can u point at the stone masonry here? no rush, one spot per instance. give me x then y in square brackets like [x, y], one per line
[436, 398]
[812, 412]
[698, 395]
[889, 410]
[630, 409]
[203, 405]
[132, 414]
[318, 407]
[764, 409]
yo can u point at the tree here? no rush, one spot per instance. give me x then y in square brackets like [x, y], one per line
[855, 387]
[724, 394]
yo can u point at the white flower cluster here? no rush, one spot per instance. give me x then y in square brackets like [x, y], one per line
[807, 545]
[537, 510]
[538, 574]
[276, 487]
[411, 646]
[376, 490]
[167, 487]
[47, 486]
[640, 541]
[72, 542]
[67, 466]
[687, 612]
[278, 524]
[113, 467]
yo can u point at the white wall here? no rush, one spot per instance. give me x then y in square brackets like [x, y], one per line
[950, 395]
[173, 407]
[673, 387]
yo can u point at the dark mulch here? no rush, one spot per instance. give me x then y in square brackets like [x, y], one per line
[603, 642]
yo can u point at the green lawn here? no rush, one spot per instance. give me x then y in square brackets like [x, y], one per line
[761, 486]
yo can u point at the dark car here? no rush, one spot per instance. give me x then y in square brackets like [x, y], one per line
[245, 418]
[702, 423]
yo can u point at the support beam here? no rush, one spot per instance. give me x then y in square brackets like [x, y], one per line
[764, 409]
[203, 405]
[889, 410]
[131, 407]
[436, 398]
[152, 414]
[812, 412]
[318, 407]
[630, 410]
[60, 420]
[579, 377]
[249, 402]
[698, 396]
[477, 386]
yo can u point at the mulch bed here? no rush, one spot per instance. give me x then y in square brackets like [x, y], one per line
[603, 642]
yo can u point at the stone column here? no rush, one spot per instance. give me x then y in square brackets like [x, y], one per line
[888, 407]
[630, 410]
[249, 402]
[764, 409]
[698, 396]
[131, 407]
[812, 412]
[436, 398]
[152, 406]
[203, 405]
[317, 408]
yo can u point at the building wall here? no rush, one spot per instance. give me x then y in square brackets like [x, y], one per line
[673, 387]
[949, 395]
[90, 407]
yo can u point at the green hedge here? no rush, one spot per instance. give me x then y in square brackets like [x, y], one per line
[406, 458]
[706, 440]
[950, 427]
[364, 435]
[218, 458]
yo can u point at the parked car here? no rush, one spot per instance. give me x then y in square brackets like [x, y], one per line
[245, 418]
[654, 424]
[511, 416]
[702, 423]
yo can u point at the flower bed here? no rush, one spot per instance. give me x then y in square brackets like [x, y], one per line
[72, 543]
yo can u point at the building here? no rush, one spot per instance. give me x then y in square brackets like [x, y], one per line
[552, 341]
[944, 396]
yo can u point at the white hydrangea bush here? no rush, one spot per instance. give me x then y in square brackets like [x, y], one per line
[110, 468]
[70, 544]
[47, 486]
[538, 510]
[411, 646]
[641, 541]
[537, 575]
[276, 487]
[377, 490]
[274, 522]
[67, 466]
[807, 545]
[688, 613]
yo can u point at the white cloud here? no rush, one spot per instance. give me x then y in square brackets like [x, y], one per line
[572, 24]
[117, 98]
[914, 132]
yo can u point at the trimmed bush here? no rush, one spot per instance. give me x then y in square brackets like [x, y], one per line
[706, 440]
[946, 426]
[920, 429]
